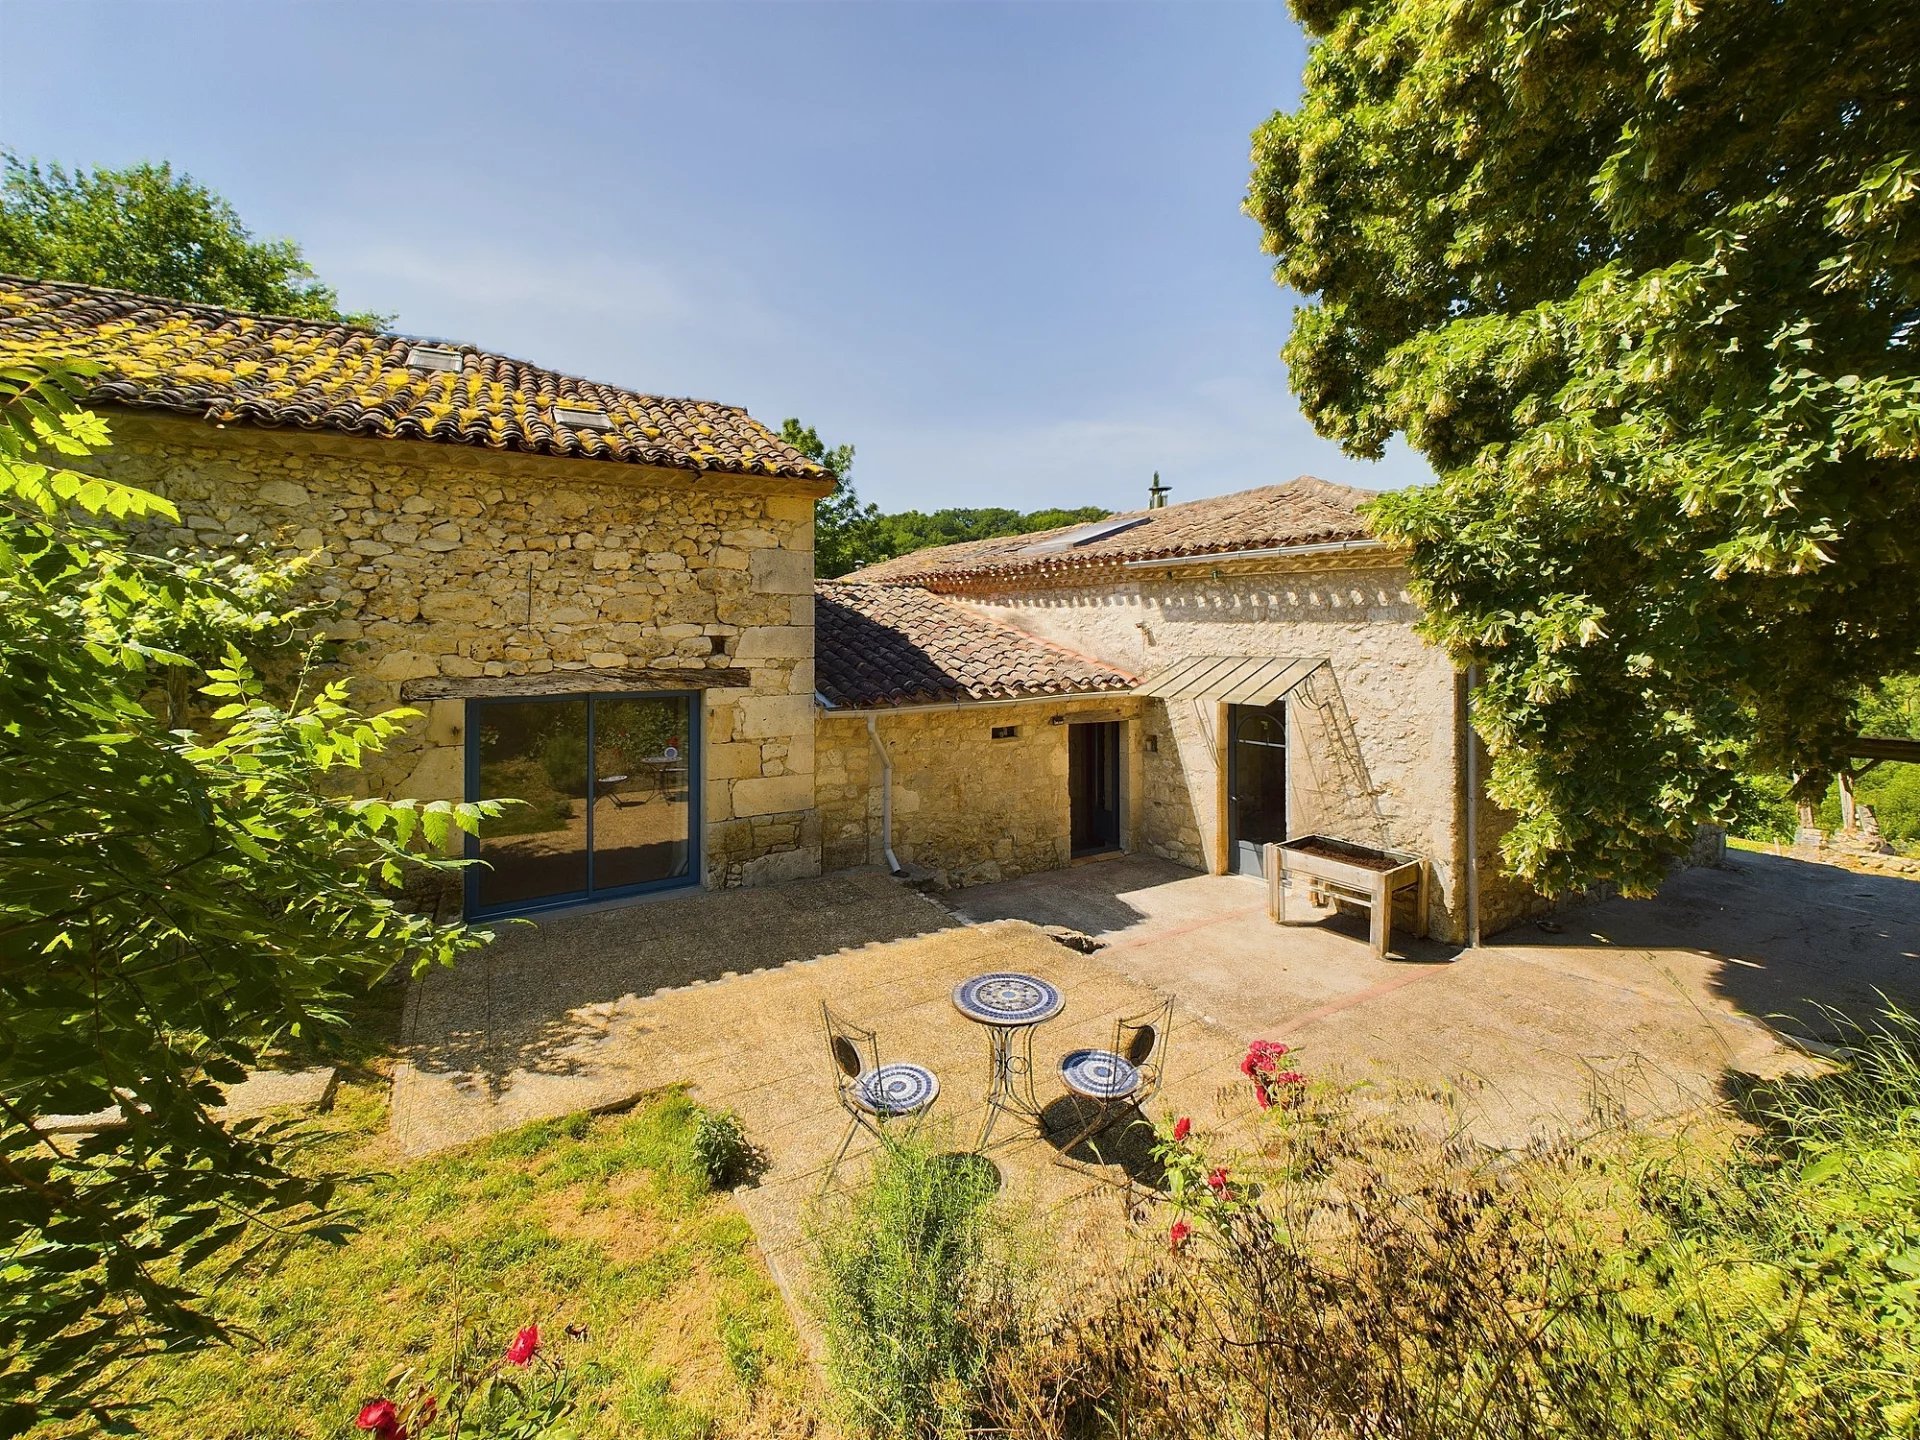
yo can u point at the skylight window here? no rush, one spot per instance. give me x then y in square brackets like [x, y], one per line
[580, 416]
[433, 357]
[1084, 535]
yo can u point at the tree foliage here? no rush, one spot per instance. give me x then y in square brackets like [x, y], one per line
[843, 528]
[911, 530]
[176, 900]
[848, 534]
[145, 228]
[1642, 281]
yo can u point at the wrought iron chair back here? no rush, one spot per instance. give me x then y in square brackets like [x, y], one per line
[855, 1055]
[1139, 1041]
[1142, 1039]
[854, 1052]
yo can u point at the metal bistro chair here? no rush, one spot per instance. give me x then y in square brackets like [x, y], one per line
[872, 1093]
[1120, 1079]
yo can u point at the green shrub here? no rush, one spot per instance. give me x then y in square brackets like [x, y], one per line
[1765, 809]
[722, 1151]
[917, 1294]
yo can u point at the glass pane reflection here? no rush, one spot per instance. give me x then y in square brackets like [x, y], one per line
[534, 751]
[642, 815]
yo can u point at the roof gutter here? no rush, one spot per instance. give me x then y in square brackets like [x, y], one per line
[1271, 552]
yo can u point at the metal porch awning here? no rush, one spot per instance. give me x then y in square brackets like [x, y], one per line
[1230, 679]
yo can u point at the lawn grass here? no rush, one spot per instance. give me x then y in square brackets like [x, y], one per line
[603, 1222]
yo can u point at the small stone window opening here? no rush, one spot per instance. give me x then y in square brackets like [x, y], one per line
[1006, 732]
[1153, 744]
[717, 644]
[432, 357]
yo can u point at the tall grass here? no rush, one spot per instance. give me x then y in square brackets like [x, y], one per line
[1740, 1282]
[917, 1289]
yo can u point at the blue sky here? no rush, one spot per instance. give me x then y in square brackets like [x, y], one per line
[998, 248]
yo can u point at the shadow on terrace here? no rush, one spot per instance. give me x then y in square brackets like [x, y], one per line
[1807, 948]
[537, 999]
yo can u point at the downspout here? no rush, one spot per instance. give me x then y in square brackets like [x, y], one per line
[886, 794]
[1473, 818]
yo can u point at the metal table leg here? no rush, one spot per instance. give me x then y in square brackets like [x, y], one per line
[1010, 1077]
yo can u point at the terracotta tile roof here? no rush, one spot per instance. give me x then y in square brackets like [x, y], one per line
[227, 365]
[1304, 511]
[878, 645]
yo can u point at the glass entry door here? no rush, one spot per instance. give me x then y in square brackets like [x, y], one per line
[1256, 781]
[609, 789]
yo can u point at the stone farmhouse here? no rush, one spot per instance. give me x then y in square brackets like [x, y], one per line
[604, 602]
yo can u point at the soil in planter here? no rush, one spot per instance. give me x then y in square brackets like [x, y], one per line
[1347, 854]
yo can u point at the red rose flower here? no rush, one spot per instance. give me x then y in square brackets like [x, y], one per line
[1181, 1127]
[382, 1417]
[524, 1345]
[1217, 1181]
[1261, 1096]
[1177, 1236]
[1290, 1077]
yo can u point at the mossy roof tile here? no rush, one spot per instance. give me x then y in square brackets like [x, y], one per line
[232, 367]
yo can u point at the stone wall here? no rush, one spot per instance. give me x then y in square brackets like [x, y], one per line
[1169, 819]
[1389, 703]
[448, 567]
[968, 808]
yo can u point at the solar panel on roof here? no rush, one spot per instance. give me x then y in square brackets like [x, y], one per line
[433, 357]
[1085, 535]
[581, 417]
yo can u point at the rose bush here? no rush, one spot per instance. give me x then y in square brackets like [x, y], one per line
[512, 1396]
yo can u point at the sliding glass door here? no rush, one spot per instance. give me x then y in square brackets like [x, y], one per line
[609, 786]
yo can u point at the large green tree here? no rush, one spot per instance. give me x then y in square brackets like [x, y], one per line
[1642, 280]
[146, 228]
[184, 888]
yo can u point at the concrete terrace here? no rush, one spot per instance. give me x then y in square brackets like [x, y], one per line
[1628, 1009]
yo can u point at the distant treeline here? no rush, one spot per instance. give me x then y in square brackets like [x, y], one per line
[916, 530]
[850, 535]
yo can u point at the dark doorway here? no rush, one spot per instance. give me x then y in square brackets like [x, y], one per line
[1256, 781]
[1093, 786]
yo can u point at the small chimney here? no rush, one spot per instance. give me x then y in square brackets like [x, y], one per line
[1157, 493]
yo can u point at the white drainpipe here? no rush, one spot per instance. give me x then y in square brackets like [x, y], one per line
[1473, 818]
[886, 793]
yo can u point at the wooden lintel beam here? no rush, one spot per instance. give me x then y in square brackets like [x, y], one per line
[1883, 747]
[574, 682]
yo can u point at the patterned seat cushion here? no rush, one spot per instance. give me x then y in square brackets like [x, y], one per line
[1099, 1075]
[897, 1089]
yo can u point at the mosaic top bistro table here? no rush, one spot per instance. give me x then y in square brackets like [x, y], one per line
[1009, 1005]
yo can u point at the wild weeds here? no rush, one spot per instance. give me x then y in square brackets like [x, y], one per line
[1362, 1281]
[918, 1291]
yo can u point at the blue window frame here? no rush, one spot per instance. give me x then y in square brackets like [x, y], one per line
[611, 784]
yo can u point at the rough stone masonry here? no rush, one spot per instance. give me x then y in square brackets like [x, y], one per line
[452, 570]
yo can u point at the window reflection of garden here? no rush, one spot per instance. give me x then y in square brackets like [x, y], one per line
[536, 752]
[642, 822]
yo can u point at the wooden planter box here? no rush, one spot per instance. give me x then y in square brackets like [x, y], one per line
[1341, 870]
